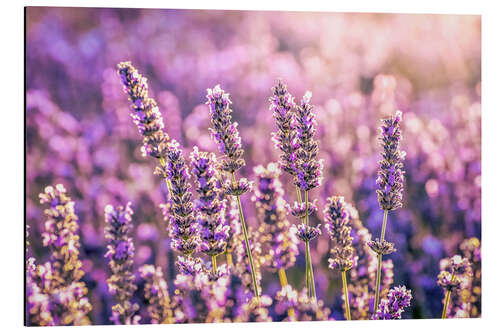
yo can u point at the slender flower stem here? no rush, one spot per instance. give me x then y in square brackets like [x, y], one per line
[379, 265]
[249, 252]
[214, 264]
[229, 259]
[308, 275]
[308, 251]
[284, 283]
[346, 296]
[447, 299]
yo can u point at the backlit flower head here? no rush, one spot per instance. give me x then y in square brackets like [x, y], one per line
[224, 131]
[393, 306]
[306, 233]
[391, 175]
[337, 224]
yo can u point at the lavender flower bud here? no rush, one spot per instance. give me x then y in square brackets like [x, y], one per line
[121, 260]
[211, 218]
[306, 233]
[283, 109]
[156, 292]
[183, 229]
[393, 307]
[224, 132]
[337, 224]
[279, 245]
[146, 114]
[241, 187]
[454, 272]
[381, 247]
[391, 175]
[308, 168]
[299, 209]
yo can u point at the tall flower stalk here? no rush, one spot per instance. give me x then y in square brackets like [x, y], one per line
[308, 169]
[390, 187]
[225, 133]
[121, 260]
[337, 224]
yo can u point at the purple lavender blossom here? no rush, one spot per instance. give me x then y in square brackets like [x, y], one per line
[146, 114]
[337, 224]
[381, 247]
[393, 307]
[224, 131]
[283, 109]
[237, 188]
[210, 211]
[391, 175]
[299, 209]
[306, 233]
[59, 278]
[304, 307]
[279, 245]
[308, 168]
[156, 292]
[121, 260]
[183, 228]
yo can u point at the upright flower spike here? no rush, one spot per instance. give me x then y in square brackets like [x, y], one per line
[226, 135]
[308, 167]
[146, 114]
[391, 175]
[390, 186]
[224, 131]
[283, 108]
[393, 307]
[183, 228]
[60, 277]
[279, 244]
[454, 272]
[156, 292]
[337, 224]
[121, 260]
[210, 211]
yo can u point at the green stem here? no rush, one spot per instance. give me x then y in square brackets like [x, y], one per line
[447, 299]
[214, 265]
[308, 275]
[308, 251]
[346, 296]
[247, 244]
[379, 265]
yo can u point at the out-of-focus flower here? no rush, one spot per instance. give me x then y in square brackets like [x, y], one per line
[121, 260]
[156, 292]
[391, 175]
[279, 244]
[338, 227]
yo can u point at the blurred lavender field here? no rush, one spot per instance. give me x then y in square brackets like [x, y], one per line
[360, 68]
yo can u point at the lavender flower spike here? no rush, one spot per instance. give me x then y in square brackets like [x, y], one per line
[308, 167]
[156, 293]
[279, 245]
[393, 307]
[183, 229]
[224, 131]
[146, 114]
[121, 259]
[454, 272]
[338, 226]
[391, 175]
[60, 277]
[211, 215]
[226, 135]
[283, 109]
